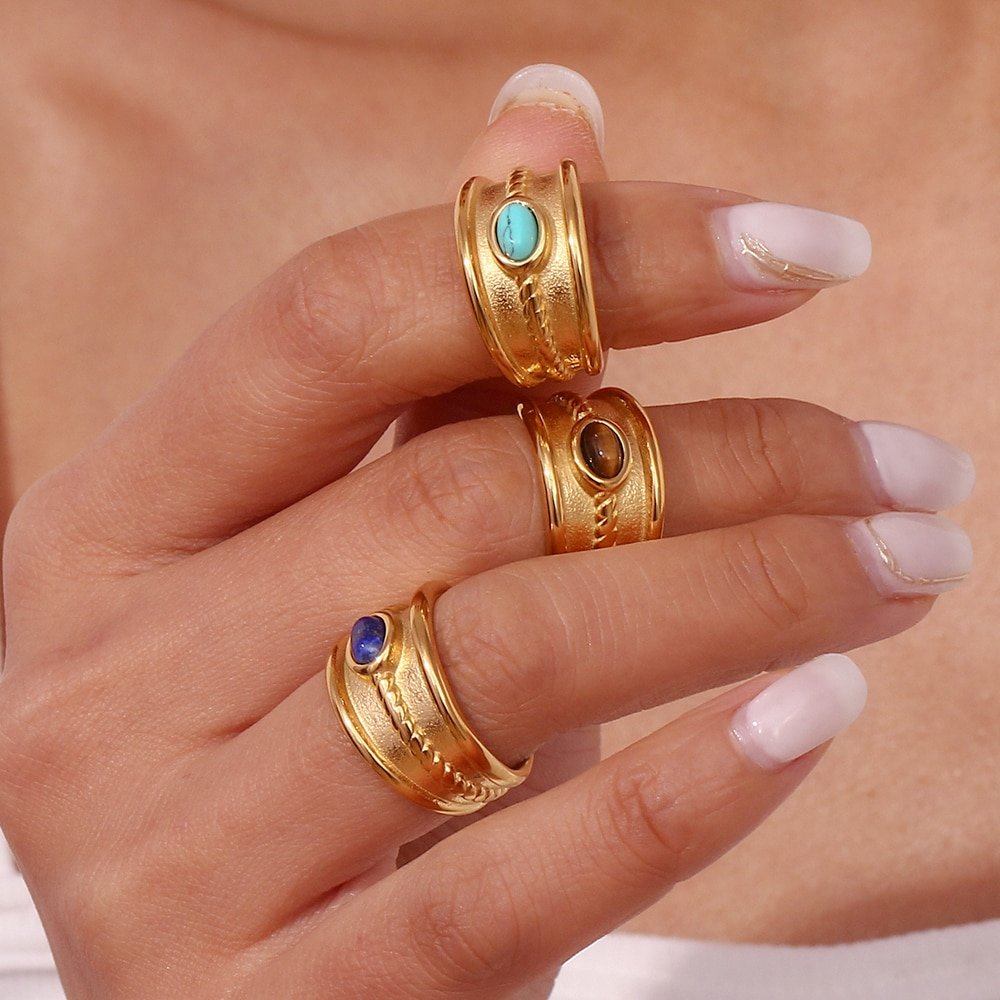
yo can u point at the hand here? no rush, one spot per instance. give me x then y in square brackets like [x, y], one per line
[189, 815]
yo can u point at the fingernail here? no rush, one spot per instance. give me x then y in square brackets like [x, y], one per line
[908, 554]
[800, 711]
[912, 469]
[555, 86]
[768, 245]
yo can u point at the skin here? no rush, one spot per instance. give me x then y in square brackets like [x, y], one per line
[894, 833]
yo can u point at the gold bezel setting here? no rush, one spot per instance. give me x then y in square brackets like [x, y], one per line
[540, 252]
[581, 462]
[367, 669]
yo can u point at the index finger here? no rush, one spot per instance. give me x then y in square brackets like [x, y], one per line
[288, 391]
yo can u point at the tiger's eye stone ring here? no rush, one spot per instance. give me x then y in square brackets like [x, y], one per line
[523, 245]
[387, 684]
[601, 467]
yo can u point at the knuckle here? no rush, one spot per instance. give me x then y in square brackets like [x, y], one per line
[642, 831]
[41, 720]
[764, 571]
[62, 711]
[42, 781]
[119, 908]
[93, 905]
[33, 537]
[30, 732]
[470, 927]
[329, 309]
[350, 295]
[761, 452]
[27, 515]
[20, 749]
[56, 533]
[457, 488]
[503, 649]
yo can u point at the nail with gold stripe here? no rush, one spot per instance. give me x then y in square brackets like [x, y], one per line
[774, 246]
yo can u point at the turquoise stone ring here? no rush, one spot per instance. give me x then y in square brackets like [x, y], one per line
[517, 231]
[523, 248]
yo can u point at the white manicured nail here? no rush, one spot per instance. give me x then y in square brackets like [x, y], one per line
[907, 554]
[768, 245]
[558, 86]
[914, 469]
[800, 711]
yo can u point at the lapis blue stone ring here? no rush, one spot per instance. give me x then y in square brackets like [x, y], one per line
[523, 245]
[387, 684]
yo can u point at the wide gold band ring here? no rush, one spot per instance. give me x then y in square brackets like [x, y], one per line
[601, 468]
[523, 245]
[386, 682]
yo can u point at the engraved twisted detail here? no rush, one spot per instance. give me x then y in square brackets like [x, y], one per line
[392, 701]
[576, 407]
[606, 519]
[517, 182]
[535, 316]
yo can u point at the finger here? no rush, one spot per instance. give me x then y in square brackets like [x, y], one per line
[549, 645]
[466, 499]
[290, 389]
[512, 897]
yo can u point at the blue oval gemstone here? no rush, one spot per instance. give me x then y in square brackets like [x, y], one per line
[517, 231]
[367, 639]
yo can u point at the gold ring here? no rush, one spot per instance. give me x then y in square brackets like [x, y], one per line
[523, 245]
[601, 467]
[386, 683]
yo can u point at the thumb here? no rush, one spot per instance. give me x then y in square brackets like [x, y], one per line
[542, 115]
